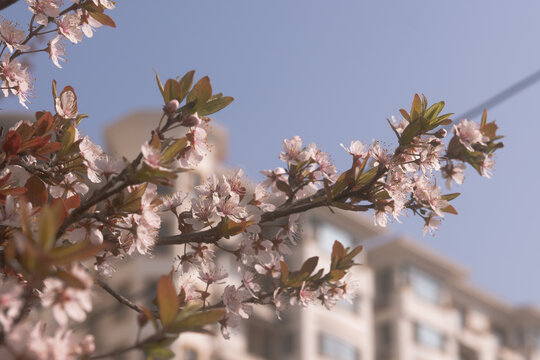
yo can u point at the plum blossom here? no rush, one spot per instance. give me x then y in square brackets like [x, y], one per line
[469, 134]
[68, 302]
[89, 233]
[88, 23]
[203, 213]
[487, 166]
[15, 80]
[273, 177]
[304, 297]
[10, 302]
[431, 223]
[233, 299]
[196, 149]
[293, 152]
[12, 36]
[452, 172]
[356, 149]
[68, 187]
[56, 50]
[69, 26]
[66, 104]
[44, 9]
[209, 273]
[30, 342]
[151, 155]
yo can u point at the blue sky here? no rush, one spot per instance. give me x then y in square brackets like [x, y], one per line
[332, 71]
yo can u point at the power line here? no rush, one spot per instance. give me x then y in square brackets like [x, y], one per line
[502, 96]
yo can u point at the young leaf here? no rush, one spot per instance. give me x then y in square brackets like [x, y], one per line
[186, 82]
[201, 92]
[310, 265]
[214, 105]
[167, 300]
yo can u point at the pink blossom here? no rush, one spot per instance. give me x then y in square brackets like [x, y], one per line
[233, 299]
[487, 166]
[356, 149]
[68, 302]
[293, 152]
[56, 50]
[12, 36]
[69, 26]
[469, 134]
[454, 173]
[45, 9]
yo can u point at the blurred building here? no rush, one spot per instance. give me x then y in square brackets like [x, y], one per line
[412, 304]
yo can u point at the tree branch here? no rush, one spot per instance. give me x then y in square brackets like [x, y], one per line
[6, 3]
[121, 299]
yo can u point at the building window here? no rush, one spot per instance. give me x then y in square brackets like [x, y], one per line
[383, 340]
[384, 284]
[499, 334]
[428, 336]
[424, 284]
[328, 233]
[190, 354]
[466, 353]
[288, 344]
[336, 348]
[260, 341]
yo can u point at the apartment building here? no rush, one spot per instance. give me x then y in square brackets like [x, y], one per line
[412, 304]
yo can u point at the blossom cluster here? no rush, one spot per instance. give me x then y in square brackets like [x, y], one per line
[79, 19]
[70, 213]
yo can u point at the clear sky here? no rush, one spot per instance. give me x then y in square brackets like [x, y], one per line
[332, 71]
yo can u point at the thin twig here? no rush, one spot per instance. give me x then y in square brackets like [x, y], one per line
[121, 299]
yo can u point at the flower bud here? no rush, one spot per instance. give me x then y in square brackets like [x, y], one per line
[87, 346]
[192, 120]
[441, 133]
[170, 108]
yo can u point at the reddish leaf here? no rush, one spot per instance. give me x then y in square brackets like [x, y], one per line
[37, 193]
[12, 143]
[103, 18]
[167, 300]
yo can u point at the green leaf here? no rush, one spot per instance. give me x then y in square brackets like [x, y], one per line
[172, 90]
[366, 177]
[67, 140]
[197, 320]
[201, 92]
[342, 182]
[167, 300]
[416, 109]
[173, 150]
[412, 130]
[338, 252]
[103, 18]
[484, 119]
[158, 352]
[434, 110]
[449, 197]
[186, 82]
[450, 209]
[405, 114]
[66, 255]
[160, 86]
[284, 273]
[214, 105]
[47, 228]
[336, 275]
[132, 201]
[310, 265]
